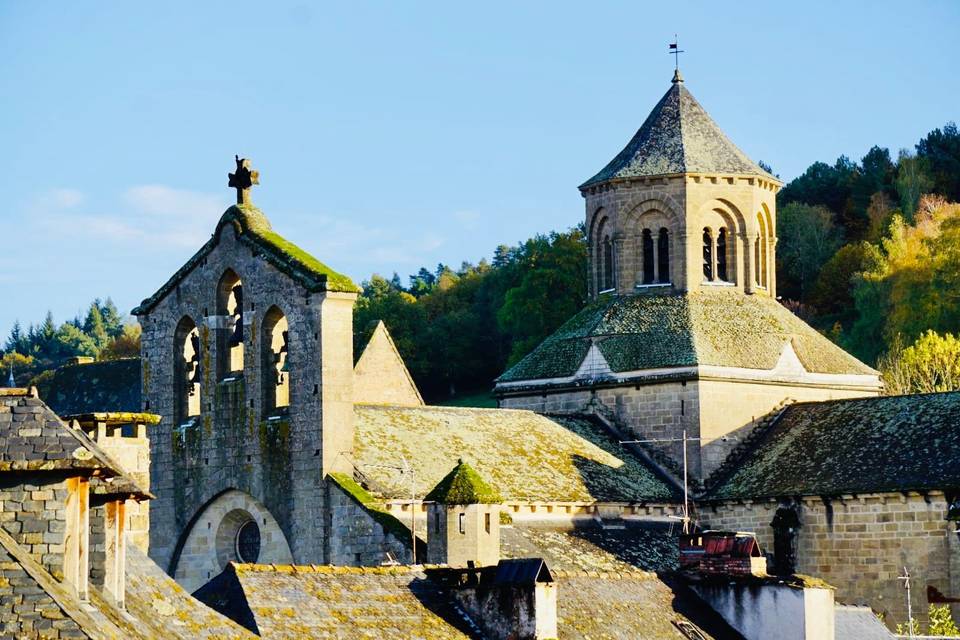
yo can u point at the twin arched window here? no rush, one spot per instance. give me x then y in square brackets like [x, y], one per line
[655, 256]
[717, 255]
[187, 372]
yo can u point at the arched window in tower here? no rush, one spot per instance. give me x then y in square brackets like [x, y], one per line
[646, 241]
[663, 256]
[707, 255]
[187, 371]
[722, 255]
[608, 279]
[275, 379]
[230, 336]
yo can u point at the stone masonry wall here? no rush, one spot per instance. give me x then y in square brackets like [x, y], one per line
[33, 511]
[860, 545]
[357, 539]
[233, 444]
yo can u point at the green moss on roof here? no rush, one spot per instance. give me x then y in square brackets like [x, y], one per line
[389, 523]
[868, 445]
[526, 456]
[463, 486]
[721, 328]
[253, 229]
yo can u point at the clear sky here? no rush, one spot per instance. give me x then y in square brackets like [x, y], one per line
[396, 135]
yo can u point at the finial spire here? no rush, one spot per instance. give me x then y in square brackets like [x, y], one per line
[675, 51]
[10, 381]
[243, 179]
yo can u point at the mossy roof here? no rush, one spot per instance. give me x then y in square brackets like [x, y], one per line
[722, 328]
[254, 230]
[463, 486]
[112, 386]
[678, 137]
[525, 456]
[294, 602]
[365, 500]
[839, 447]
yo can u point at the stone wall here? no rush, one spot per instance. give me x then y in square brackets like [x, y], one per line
[33, 511]
[235, 443]
[357, 539]
[463, 534]
[381, 377]
[861, 544]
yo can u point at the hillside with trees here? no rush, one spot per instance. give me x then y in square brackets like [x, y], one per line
[868, 252]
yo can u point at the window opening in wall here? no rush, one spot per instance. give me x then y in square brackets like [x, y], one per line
[436, 521]
[248, 542]
[663, 256]
[486, 522]
[608, 280]
[230, 332]
[707, 255]
[722, 255]
[463, 523]
[187, 372]
[276, 370]
[648, 257]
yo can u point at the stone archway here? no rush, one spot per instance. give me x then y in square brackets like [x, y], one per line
[233, 527]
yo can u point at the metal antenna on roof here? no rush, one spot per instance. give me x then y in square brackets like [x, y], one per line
[406, 468]
[686, 490]
[906, 583]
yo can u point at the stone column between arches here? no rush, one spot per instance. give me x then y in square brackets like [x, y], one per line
[211, 542]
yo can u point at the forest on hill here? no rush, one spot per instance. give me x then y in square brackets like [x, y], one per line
[868, 252]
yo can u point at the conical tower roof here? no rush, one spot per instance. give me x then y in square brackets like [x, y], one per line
[677, 137]
[463, 486]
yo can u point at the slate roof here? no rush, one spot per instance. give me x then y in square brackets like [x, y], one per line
[722, 328]
[868, 445]
[255, 232]
[464, 486]
[859, 623]
[677, 137]
[294, 602]
[637, 546]
[522, 455]
[33, 438]
[113, 386]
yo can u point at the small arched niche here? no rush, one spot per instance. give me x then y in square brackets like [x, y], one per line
[275, 378]
[230, 335]
[187, 370]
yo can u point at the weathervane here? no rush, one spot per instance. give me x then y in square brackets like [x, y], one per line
[675, 51]
[243, 179]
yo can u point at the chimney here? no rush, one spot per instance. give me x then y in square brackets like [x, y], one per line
[463, 520]
[514, 600]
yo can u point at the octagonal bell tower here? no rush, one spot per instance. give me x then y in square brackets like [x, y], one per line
[681, 208]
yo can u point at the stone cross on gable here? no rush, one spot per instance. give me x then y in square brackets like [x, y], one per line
[243, 179]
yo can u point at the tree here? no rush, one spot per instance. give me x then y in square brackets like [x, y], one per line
[940, 150]
[912, 181]
[126, 345]
[11, 363]
[112, 322]
[94, 326]
[931, 364]
[808, 238]
[833, 292]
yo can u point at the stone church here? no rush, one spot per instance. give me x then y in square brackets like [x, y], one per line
[273, 445]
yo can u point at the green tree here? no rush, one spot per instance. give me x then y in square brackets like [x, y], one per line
[832, 294]
[808, 238]
[940, 150]
[94, 327]
[112, 322]
[912, 182]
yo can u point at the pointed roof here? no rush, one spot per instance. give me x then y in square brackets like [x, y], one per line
[463, 486]
[253, 230]
[380, 375]
[677, 137]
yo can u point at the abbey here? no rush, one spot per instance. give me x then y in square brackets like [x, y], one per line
[266, 457]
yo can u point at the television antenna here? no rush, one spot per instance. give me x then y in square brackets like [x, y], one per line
[686, 489]
[405, 468]
[906, 584]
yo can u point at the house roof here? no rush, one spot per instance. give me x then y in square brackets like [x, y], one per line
[867, 445]
[721, 328]
[463, 486]
[522, 455]
[254, 230]
[33, 438]
[677, 137]
[859, 623]
[283, 601]
[113, 386]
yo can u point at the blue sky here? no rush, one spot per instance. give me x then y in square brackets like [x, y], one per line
[395, 135]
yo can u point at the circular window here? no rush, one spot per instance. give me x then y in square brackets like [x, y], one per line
[248, 542]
